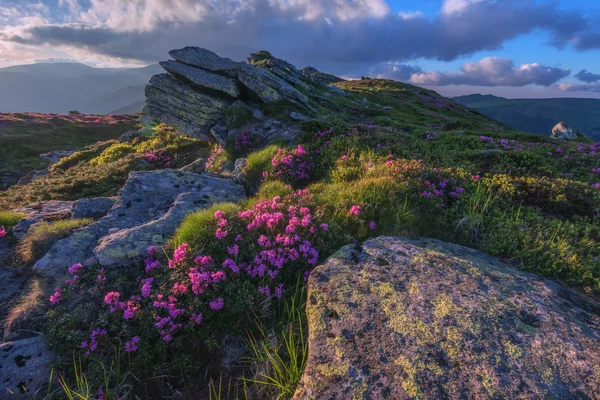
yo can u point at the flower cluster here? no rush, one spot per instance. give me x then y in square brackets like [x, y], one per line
[245, 141]
[290, 166]
[157, 157]
[267, 245]
[2, 232]
[216, 160]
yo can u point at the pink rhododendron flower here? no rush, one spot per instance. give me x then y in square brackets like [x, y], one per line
[355, 210]
[220, 234]
[75, 269]
[56, 297]
[2, 232]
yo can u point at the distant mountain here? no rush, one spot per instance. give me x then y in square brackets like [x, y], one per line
[539, 115]
[131, 108]
[61, 87]
[113, 102]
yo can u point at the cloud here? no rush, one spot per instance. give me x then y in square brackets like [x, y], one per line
[588, 77]
[589, 88]
[493, 71]
[317, 32]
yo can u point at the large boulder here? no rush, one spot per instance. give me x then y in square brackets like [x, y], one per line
[563, 131]
[146, 196]
[404, 319]
[181, 106]
[202, 78]
[315, 75]
[24, 368]
[268, 86]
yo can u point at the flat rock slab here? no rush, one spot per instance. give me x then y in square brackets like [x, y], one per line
[206, 59]
[407, 319]
[24, 368]
[41, 211]
[201, 77]
[95, 207]
[146, 196]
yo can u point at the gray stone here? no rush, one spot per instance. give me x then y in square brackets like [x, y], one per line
[24, 368]
[269, 87]
[238, 170]
[129, 136]
[563, 131]
[128, 246]
[257, 114]
[39, 174]
[41, 211]
[206, 59]
[95, 208]
[146, 196]
[404, 319]
[298, 117]
[12, 284]
[196, 167]
[202, 78]
[315, 75]
[55, 156]
[219, 133]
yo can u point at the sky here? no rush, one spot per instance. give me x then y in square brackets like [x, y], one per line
[511, 48]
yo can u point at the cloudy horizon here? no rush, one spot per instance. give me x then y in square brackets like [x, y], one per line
[510, 48]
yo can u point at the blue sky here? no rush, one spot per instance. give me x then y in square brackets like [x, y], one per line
[514, 48]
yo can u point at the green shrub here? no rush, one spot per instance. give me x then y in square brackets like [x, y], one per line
[115, 152]
[237, 115]
[258, 163]
[42, 236]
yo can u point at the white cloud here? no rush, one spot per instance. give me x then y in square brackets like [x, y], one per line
[493, 71]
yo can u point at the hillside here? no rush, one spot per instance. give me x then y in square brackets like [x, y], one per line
[62, 87]
[539, 116]
[276, 233]
[24, 136]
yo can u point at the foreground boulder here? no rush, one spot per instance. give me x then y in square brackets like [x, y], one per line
[406, 319]
[147, 212]
[24, 368]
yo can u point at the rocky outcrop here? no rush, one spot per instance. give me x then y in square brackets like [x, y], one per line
[148, 210]
[321, 77]
[199, 86]
[404, 319]
[24, 368]
[562, 131]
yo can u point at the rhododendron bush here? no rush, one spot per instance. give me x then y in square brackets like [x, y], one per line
[206, 288]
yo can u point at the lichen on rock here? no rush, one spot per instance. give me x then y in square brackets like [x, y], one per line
[408, 319]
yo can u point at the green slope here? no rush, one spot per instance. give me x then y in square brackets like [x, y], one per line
[539, 115]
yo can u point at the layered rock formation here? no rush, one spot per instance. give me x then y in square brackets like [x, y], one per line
[407, 319]
[199, 86]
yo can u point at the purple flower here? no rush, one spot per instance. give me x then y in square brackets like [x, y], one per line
[217, 304]
[131, 345]
[372, 225]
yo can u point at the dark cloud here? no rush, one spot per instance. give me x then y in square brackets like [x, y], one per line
[322, 32]
[492, 71]
[587, 77]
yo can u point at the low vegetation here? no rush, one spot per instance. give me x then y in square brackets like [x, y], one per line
[386, 159]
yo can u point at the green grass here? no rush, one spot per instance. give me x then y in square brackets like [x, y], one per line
[23, 139]
[42, 236]
[9, 219]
